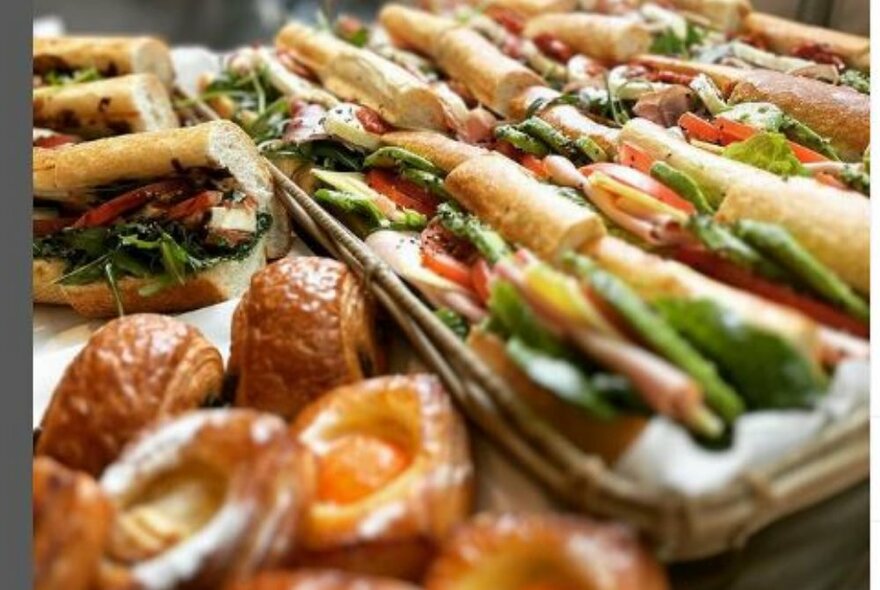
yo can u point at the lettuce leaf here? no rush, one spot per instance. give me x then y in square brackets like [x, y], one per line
[768, 151]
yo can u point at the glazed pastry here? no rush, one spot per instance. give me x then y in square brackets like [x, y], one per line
[131, 372]
[317, 580]
[548, 552]
[304, 326]
[394, 475]
[71, 524]
[204, 499]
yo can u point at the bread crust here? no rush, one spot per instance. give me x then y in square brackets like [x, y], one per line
[608, 440]
[522, 209]
[603, 37]
[725, 77]
[71, 519]
[724, 15]
[785, 36]
[112, 56]
[839, 113]
[530, 8]
[316, 579]
[438, 149]
[131, 372]
[304, 326]
[44, 281]
[127, 104]
[415, 29]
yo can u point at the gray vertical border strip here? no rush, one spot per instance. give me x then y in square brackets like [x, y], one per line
[15, 298]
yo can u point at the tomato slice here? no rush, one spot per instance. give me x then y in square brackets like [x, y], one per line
[448, 267]
[699, 129]
[536, 165]
[642, 182]
[197, 204]
[404, 193]
[481, 276]
[45, 227]
[553, 47]
[635, 157]
[728, 272]
[55, 140]
[372, 121]
[106, 213]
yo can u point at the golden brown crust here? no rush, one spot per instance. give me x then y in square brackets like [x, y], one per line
[128, 104]
[536, 7]
[512, 551]
[315, 49]
[839, 113]
[112, 56]
[206, 498]
[132, 371]
[393, 529]
[44, 282]
[725, 15]
[785, 36]
[439, 149]
[304, 327]
[608, 440]
[415, 29]
[71, 524]
[522, 209]
[315, 579]
[603, 37]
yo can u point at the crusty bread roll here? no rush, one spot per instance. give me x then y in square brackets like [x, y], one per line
[111, 56]
[839, 113]
[522, 209]
[606, 38]
[45, 275]
[438, 149]
[724, 15]
[305, 326]
[785, 36]
[725, 77]
[317, 580]
[128, 104]
[394, 475]
[530, 8]
[131, 372]
[653, 278]
[545, 551]
[415, 29]
[603, 438]
[565, 118]
[205, 499]
[71, 526]
[362, 76]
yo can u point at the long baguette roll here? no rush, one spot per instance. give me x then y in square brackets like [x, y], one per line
[839, 113]
[415, 29]
[725, 77]
[364, 77]
[128, 104]
[111, 56]
[529, 8]
[606, 38]
[653, 278]
[439, 149]
[725, 15]
[522, 209]
[785, 36]
[565, 118]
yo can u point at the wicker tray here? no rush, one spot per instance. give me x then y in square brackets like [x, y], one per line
[683, 528]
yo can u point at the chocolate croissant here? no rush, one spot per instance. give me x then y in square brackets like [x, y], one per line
[394, 475]
[304, 326]
[71, 524]
[544, 551]
[131, 372]
[205, 499]
[317, 580]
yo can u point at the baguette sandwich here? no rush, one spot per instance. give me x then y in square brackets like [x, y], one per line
[160, 221]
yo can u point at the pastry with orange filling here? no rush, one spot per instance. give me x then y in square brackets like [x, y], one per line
[394, 475]
[318, 580]
[205, 499]
[544, 552]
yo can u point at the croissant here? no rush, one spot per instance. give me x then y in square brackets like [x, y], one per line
[204, 499]
[550, 552]
[317, 580]
[304, 327]
[394, 475]
[71, 524]
[132, 371]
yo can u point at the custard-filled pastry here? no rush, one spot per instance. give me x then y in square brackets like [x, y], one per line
[544, 552]
[131, 372]
[204, 499]
[304, 327]
[394, 475]
[71, 523]
[318, 580]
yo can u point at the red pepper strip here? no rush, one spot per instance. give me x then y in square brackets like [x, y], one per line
[403, 192]
[372, 122]
[728, 272]
[481, 276]
[45, 227]
[197, 204]
[732, 131]
[448, 267]
[106, 213]
[635, 157]
[57, 140]
[536, 165]
[700, 129]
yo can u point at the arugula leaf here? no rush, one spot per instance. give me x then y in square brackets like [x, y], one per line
[80, 76]
[768, 151]
[668, 43]
[767, 371]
